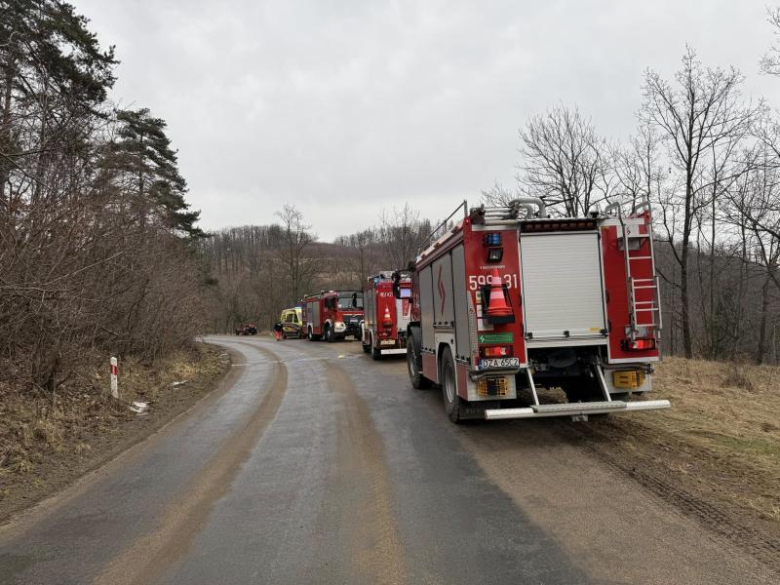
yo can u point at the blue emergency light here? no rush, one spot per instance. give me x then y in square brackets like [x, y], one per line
[491, 240]
[495, 249]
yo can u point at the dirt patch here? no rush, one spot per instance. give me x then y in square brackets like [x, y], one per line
[359, 504]
[715, 454]
[49, 442]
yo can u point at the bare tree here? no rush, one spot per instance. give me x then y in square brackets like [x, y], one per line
[363, 262]
[401, 235]
[498, 195]
[770, 62]
[637, 167]
[564, 161]
[701, 119]
[755, 212]
[295, 251]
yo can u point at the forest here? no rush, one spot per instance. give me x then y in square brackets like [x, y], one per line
[97, 240]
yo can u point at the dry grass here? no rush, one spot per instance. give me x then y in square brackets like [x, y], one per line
[140, 382]
[38, 428]
[728, 414]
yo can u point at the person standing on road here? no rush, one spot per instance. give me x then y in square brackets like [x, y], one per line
[278, 331]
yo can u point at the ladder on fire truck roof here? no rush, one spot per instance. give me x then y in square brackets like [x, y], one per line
[652, 284]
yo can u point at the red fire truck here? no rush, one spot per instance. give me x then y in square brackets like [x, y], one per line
[387, 299]
[333, 315]
[508, 301]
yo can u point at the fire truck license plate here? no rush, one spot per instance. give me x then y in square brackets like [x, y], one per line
[510, 362]
[387, 342]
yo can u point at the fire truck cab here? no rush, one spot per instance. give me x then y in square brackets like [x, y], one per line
[333, 315]
[508, 302]
[387, 297]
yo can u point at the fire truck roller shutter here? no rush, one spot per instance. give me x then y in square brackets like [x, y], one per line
[462, 339]
[369, 309]
[426, 308]
[562, 288]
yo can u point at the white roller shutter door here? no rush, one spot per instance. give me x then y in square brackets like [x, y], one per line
[562, 286]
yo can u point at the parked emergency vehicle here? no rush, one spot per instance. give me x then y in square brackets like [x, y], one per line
[509, 302]
[387, 300]
[292, 323]
[333, 315]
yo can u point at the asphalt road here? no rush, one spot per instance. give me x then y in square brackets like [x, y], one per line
[314, 464]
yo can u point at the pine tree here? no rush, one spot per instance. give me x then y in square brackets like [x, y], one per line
[159, 187]
[54, 79]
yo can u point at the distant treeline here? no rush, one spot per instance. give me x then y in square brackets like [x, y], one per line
[259, 270]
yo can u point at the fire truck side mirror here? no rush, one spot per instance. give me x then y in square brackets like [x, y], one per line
[354, 300]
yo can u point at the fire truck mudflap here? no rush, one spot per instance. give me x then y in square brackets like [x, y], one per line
[508, 302]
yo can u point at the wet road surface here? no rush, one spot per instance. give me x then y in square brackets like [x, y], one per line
[314, 464]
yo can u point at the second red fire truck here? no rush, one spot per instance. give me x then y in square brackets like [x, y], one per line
[333, 315]
[387, 297]
[507, 302]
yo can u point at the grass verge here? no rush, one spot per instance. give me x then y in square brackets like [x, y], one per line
[47, 442]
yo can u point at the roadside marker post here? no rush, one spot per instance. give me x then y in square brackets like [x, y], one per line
[114, 378]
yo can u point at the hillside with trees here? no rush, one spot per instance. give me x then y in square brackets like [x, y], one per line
[96, 235]
[256, 271]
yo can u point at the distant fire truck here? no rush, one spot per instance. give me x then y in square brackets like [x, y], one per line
[387, 300]
[333, 315]
[509, 301]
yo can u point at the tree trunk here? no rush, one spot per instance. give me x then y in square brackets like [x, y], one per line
[762, 330]
[5, 140]
[684, 292]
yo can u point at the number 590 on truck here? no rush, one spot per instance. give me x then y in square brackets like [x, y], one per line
[508, 302]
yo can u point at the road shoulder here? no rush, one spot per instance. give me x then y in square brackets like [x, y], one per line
[112, 432]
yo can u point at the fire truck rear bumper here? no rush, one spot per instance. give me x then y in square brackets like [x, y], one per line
[392, 351]
[578, 409]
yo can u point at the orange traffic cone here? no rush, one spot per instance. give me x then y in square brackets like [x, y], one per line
[497, 306]
[387, 319]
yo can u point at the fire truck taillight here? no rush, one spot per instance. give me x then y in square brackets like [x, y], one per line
[496, 351]
[639, 344]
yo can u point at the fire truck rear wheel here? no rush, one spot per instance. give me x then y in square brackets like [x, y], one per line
[452, 402]
[413, 364]
[313, 337]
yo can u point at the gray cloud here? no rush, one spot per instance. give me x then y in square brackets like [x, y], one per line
[346, 108]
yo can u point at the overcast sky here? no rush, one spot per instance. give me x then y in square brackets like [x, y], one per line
[348, 108]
